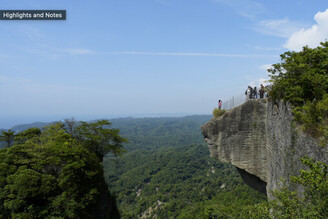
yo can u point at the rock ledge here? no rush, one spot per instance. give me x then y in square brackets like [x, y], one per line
[259, 138]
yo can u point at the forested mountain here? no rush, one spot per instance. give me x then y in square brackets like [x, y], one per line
[23, 127]
[167, 172]
[151, 133]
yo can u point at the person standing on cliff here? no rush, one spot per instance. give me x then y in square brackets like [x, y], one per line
[255, 93]
[248, 93]
[262, 91]
[220, 104]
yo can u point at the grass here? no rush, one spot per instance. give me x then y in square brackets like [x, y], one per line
[218, 112]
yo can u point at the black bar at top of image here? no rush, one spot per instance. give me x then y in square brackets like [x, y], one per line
[32, 14]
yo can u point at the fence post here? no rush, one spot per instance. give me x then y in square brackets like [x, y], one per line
[234, 102]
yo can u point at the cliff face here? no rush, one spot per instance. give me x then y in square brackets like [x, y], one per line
[106, 207]
[259, 139]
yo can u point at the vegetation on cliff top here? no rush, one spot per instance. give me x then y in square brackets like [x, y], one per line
[302, 79]
[57, 173]
[218, 112]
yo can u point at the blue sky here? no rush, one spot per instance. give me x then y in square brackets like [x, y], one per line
[146, 57]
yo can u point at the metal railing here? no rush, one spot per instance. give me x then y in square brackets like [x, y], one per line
[234, 102]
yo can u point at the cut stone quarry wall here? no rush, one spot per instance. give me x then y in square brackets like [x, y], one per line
[259, 139]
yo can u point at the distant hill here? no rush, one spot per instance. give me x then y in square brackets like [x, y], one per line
[140, 126]
[23, 127]
[154, 133]
[122, 122]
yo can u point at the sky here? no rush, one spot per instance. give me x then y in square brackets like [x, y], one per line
[118, 58]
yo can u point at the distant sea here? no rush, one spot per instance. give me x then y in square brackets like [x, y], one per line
[7, 122]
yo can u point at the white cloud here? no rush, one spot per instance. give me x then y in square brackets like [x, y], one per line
[266, 48]
[311, 36]
[264, 81]
[265, 67]
[279, 27]
[52, 51]
[246, 8]
[188, 54]
[263, 78]
[259, 81]
[79, 51]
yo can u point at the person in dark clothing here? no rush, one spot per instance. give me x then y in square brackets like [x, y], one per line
[262, 91]
[255, 92]
[251, 93]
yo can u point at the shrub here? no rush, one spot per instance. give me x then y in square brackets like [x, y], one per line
[218, 112]
[313, 202]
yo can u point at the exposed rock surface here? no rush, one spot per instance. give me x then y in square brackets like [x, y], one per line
[106, 207]
[259, 139]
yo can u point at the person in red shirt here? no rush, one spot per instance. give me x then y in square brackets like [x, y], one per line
[220, 104]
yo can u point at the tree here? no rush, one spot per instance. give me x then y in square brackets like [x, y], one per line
[53, 174]
[302, 79]
[301, 76]
[99, 139]
[313, 202]
[7, 137]
[28, 134]
[70, 126]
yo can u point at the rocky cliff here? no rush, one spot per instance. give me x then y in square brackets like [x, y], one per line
[260, 139]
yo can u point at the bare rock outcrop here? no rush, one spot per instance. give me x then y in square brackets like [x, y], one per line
[259, 138]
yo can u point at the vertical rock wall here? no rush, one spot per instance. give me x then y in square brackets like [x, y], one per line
[286, 144]
[259, 139]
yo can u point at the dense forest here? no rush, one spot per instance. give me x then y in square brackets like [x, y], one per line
[57, 172]
[167, 172]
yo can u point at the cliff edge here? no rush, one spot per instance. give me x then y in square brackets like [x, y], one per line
[259, 138]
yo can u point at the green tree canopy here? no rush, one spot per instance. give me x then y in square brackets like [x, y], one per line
[301, 76]
[54, 174]
[99, 139]
[302, 79]
[7, 137]
[27, 134]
